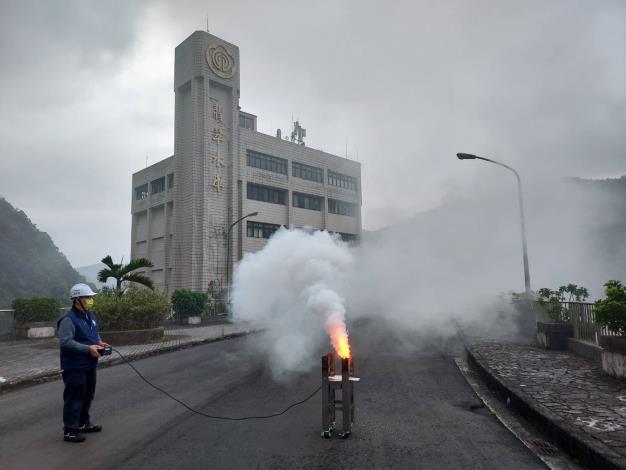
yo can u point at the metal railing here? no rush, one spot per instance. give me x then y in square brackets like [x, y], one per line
[7, 322]
[583, 318]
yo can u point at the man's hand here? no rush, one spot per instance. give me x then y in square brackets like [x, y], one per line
[93, 350]
[104, 345]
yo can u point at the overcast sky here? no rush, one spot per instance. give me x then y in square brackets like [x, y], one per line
[86, 93]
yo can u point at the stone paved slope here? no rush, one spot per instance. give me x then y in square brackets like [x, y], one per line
[567, 396]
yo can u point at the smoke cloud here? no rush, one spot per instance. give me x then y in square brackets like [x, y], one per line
[290, 288]
[443, 272]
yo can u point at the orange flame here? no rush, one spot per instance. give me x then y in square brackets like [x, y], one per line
[339, 339]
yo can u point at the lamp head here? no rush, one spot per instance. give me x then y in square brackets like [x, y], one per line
[253, 214]
[465, 156]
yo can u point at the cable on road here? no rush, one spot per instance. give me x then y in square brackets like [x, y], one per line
[205, 415]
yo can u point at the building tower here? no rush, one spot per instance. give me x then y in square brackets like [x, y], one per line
[206, 86]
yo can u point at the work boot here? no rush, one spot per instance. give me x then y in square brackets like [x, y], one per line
[89, 427]
[73, 436]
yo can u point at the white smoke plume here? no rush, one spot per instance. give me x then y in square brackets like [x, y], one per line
[431, 277]
[290, 288]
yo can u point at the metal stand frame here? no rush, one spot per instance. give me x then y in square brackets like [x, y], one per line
[333, 385]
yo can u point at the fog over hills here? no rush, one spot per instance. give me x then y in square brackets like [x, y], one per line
[471, 245]
[91, 274]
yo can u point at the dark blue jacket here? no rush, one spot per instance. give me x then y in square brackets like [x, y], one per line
[85, 332]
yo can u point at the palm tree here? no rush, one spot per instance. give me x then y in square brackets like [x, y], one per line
[124, 273]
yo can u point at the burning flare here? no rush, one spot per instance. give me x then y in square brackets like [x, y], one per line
[339, 339]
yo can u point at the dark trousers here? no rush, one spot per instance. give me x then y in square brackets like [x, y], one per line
[80, 388]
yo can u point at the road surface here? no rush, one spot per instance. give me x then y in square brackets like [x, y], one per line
[414, 410]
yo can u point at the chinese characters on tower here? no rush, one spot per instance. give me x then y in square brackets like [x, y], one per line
[217, 136]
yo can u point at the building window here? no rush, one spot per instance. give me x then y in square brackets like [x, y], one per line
[346, 237]
[157, 185]
[267, 162]
[261, 229]
[335, 206]
[141, 192]
[341, 180]
[306, 172]
[170, 181]
[258, 192]
[306, 201]
[247, 122]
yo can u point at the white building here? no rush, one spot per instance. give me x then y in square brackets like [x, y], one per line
[223, 169]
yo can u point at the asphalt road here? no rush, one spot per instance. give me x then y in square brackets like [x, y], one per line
[414, 410]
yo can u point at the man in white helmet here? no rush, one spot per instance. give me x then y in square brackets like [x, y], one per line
[80, 342]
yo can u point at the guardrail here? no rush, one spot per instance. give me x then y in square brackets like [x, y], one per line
[6, 324]
[7, 321]
[583, 318]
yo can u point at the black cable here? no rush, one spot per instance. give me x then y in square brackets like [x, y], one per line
[225, 418]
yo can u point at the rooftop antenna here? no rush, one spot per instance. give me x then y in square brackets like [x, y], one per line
[298, 133]
[207, 22]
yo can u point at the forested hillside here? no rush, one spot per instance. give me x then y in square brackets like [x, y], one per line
[30, 263]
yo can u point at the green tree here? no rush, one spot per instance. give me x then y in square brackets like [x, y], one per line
[137, 309]
[553, 300]
[187, 303]
[611, 311]
[123, 273]
[35, 309]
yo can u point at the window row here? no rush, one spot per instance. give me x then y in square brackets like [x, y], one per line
[335, 206]
[246, 122]
[267, 162]
[346, 237]
[265, 230]
[307, 172]
[307, 201]
[272, 195]
[342, 181]
[261, 229]
[261, 193]
[156, 186]
[300, 170]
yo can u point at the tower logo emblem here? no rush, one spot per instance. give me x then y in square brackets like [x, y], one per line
[221, 61]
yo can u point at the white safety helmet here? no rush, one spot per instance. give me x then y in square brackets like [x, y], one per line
[81, 290]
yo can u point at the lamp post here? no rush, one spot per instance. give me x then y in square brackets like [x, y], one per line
[252, 214]
[469, 156]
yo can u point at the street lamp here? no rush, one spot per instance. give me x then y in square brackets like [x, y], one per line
[252, 214]
[469, 156]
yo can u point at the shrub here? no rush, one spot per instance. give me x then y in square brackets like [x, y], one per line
[552, 300]
[32, 309]
[611, 311]
[188, 303]
[137, 309]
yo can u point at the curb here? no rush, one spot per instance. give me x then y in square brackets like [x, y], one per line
[590, 452]
[50, 375]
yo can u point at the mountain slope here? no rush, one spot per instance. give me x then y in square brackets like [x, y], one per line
[30, 263]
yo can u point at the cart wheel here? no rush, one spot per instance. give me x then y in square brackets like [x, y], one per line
[326, 434]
